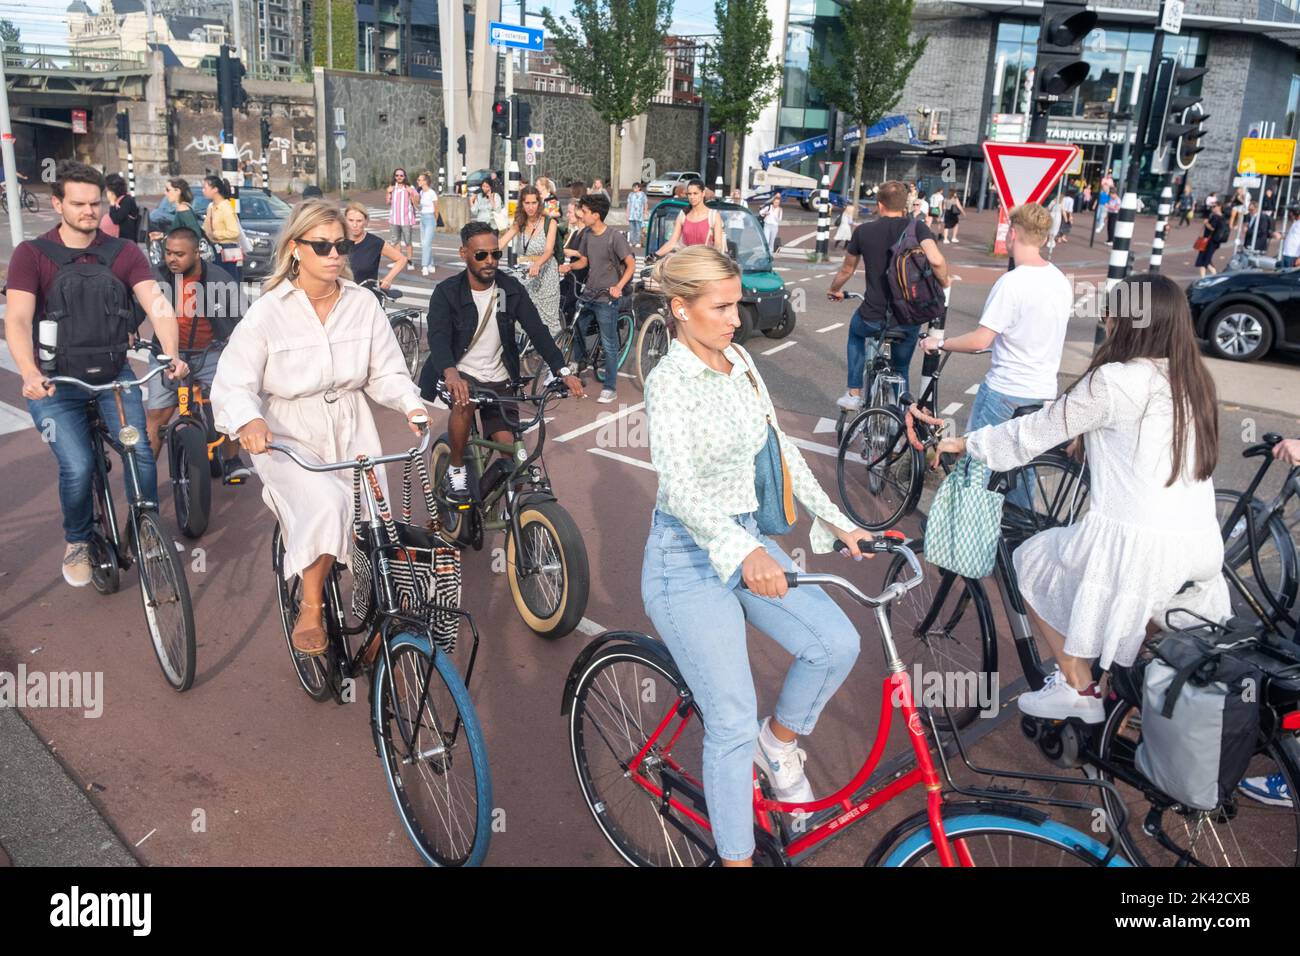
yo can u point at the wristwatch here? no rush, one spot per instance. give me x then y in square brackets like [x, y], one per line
[565, 372]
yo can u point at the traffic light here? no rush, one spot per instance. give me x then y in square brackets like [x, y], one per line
[1060, 67]
[266, 133]
[460, 146]
[1181, 115]
[523, 117]
[501, 117]
[124, 127]
[230, 81]
[715, 145]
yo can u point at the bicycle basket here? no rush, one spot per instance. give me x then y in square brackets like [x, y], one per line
[425, 573]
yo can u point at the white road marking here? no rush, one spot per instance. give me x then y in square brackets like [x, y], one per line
[824, 425]
[831, 328]
[606, 453]
[805, 279]
[777, 348]
[13, 419]
[950, 409]
[589, 627]
[148, 835]
[807, 445]
[973, 389]
[604, 419]
[6, 359]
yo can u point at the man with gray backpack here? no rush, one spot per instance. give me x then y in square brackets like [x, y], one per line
[907, 278]
[75, 298]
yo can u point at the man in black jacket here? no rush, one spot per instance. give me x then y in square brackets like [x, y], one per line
[208, 303]
[472, 320]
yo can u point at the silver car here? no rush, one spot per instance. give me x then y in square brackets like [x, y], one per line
[665, 184]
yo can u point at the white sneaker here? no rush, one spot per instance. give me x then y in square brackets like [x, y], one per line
[848, 402]
[410, 265]
[458, 483]
[1059, 701]
[954, 239]
[784, 768]
[76, 564]
[606, 396]
[424, 270]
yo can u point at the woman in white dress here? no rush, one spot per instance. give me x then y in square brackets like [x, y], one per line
[294, 371]
[844, 231]
[1146, 413]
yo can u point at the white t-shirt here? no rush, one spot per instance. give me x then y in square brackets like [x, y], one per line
[936, 200]
[483, 360]
[1067, 204]
[1291, 243]
[1029, 307]
[428, 201]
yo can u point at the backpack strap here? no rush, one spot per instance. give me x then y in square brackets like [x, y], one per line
[61, 255]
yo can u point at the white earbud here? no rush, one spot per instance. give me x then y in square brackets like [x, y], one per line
[682, 313]
[295, 255]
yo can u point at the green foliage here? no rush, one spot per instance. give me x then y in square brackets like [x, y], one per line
[614, 49]
[740, 77]
[345, 34]
[8, 32]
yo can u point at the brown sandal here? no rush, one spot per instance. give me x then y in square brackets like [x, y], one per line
[311, 641]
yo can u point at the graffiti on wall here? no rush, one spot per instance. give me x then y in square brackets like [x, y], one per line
[209, 145]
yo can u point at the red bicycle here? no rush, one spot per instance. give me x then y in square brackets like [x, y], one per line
[638, 765]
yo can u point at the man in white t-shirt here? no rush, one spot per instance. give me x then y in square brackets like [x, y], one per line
[936, 209]
[1024, 321]
[1289, 254]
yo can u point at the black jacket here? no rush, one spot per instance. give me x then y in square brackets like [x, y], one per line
[226, 299]
[453, 317]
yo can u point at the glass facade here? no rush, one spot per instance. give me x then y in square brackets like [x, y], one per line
[803, 112]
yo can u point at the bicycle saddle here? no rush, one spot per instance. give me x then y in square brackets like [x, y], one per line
[894, 335]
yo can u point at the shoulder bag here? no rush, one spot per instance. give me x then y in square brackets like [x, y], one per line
[776, 513]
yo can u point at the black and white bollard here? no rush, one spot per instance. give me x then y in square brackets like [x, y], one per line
[512, 203]
[266, 176]
[824, 219]
[1162, 219]
[1117, 269]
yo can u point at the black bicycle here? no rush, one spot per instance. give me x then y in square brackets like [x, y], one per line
[27, 199]
[405, 323]
[425, 729]
[546, 558]
[580, 342]
[164, 591]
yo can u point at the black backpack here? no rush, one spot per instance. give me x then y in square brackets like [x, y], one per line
[94, 309]
[1220, 231]
[915, 293]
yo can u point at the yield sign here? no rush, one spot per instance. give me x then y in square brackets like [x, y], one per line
[1026, 172]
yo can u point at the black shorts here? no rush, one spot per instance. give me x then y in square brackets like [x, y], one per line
[495, 418]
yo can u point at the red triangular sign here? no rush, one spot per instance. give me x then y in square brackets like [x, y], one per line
[1026, 172]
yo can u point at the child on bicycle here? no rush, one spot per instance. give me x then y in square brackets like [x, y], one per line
[709, 415]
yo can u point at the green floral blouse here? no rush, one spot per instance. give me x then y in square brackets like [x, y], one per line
[705, 429]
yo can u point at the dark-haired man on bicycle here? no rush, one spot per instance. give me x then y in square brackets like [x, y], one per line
[472, 318]
[78, 198]
[208, 304]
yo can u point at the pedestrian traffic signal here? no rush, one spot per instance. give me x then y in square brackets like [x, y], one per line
[1060, 67]
[460, 145]
[715, 145]
[1187, 145]
[523, 117]
[266, 134]
[501, 117]
[230, 81]
[124, 127]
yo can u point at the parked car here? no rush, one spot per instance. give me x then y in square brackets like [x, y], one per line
[261, 213]
[1243, 315]
[665, 184]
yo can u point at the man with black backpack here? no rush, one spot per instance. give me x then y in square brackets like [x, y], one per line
[906, 278]
[72, 310]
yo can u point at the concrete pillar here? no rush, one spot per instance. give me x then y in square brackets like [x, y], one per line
[633, 152]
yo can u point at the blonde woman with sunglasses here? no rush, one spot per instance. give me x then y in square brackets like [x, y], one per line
[294, 371]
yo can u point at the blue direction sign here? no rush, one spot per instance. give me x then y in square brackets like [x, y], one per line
[513, 35]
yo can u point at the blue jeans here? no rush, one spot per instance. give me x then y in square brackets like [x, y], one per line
[606, 315]
[702, 621]
[635, 230]
[428, 228]
[862, 351]
[65, 422]
[994, 408]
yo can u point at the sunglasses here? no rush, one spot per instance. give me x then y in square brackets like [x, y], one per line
[322, 246]
[483, 254]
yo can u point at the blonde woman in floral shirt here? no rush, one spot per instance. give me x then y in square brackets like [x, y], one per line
[709, 412]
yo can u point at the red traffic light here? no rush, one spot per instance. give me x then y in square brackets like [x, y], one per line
[713, 139]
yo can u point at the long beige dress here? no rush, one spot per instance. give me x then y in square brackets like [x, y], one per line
[307, 380]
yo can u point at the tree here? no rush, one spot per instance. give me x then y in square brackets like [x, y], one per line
[345, 34]
[614, 49]
[8, 33]
[871, 57]
[741, 79]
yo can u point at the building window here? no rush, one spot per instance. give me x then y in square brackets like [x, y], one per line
[278, 46]
[1292, 100]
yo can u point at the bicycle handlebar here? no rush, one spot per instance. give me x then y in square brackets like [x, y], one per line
[374, 286]
[362, 462]
[115, 385]
[882, 545]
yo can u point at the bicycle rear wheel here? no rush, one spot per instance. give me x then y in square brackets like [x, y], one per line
[30, 202]
[408, 339]
[878, 471]
[622, 697]
[944, 627]
[651, 345]
[166, 597]
[313, 671]
[1241, 832]
[1276, 554]
[564, 342]
[432, 749]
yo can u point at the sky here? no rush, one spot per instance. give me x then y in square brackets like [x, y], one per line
[42, 21]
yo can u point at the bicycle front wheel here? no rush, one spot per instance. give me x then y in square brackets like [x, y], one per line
[563, 342]
[166, 597]
[1275, 552]
[989, 838]
[878, 471]
[651, 345]
[432, 749]
[548, 573]
[313, 670]
[191, 482]
[30, 202]
[601, 364]
[408, 339]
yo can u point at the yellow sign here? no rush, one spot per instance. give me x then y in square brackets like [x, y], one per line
[1266, 157]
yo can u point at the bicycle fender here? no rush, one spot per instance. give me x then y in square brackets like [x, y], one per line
[533, 498]
[644, 641]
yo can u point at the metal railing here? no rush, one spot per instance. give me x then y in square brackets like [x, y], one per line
[36, 58]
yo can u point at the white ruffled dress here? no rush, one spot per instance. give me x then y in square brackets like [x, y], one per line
[1122, 564]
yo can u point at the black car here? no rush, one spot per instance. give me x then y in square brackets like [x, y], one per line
[1242, 315]
[261, 214]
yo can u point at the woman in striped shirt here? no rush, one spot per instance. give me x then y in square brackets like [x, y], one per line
[402, 201]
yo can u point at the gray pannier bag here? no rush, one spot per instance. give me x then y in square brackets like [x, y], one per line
[1200, 716]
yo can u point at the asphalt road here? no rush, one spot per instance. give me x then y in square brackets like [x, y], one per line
[245, 769]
